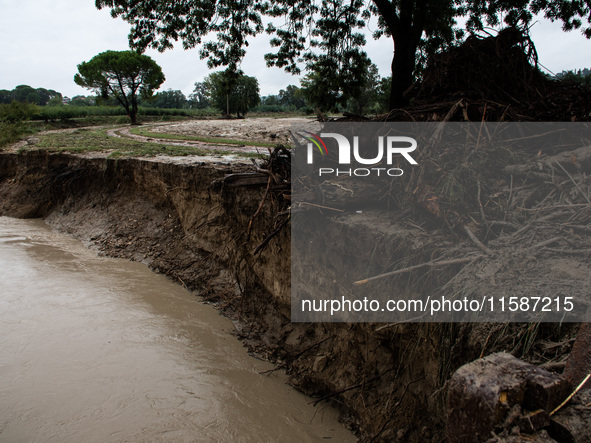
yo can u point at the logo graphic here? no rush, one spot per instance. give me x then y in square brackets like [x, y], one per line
[388, 151]
[317, 141]
[394, 145]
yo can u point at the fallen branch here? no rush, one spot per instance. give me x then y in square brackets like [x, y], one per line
[480, 208]
[476, 241]
[261, 204]
[430, 264]
[569, 251]
[545, 243]
[298, 355]
[574, 182]
[350, 388]
[581, 227]
[245, 179]
[545, 208]
[501, 223]
[269, 173]
[320, 206]
[509, 199]
[539, 220]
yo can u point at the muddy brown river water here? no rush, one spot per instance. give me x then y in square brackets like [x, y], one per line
[103, 350]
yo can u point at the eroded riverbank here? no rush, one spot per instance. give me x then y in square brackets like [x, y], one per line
[185, 220]
[182, 221]
[97, 349]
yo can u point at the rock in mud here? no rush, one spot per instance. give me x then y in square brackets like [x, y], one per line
[499, 392]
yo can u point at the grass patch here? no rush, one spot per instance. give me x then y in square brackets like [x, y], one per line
[96, 140]
[96, 120]
[213, 140]
[13, 132]
[65, 113]
[12, 121]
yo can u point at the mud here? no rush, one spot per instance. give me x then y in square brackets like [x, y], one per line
[178, 217]
[266, 130]
[220, 147]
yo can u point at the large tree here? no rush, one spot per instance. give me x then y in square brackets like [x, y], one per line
[122, 75]
[352, 91]
[291, 97]
[327, 31]
[199, 99]
[170, 99]
[232, 92]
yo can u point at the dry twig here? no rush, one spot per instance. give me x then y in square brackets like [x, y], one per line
[430, 264]
[476, 241]
[578, 388]
[574, 182]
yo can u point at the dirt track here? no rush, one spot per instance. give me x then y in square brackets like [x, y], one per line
[263, 130]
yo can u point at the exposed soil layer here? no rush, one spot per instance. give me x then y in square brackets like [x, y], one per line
[189, 221]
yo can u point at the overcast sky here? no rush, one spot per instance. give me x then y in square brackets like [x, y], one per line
[42, 42]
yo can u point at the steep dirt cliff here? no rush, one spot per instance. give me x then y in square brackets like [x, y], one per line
[187, 220]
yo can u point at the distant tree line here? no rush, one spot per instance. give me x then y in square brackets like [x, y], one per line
[368, 94]
[579, 76]
[365, 93]
[212, 95]
[28, 94]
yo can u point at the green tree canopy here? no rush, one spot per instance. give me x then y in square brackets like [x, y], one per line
[292, 97]
[366, 99]
[28, 94]
[5, 96]
[200, 97]
[122, 75]
[169, 99]
[270, 100]
[328, 91]
[324, 35]
[232, 92]
[579, 77]
[80, 100]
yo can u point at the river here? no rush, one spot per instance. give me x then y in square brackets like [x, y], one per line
[95, 349]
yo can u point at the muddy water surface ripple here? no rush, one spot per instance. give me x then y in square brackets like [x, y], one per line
[96, 350]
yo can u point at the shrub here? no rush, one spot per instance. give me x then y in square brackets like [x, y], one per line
[64, 113]
[269, 108]
[17, 112]
[12, 118]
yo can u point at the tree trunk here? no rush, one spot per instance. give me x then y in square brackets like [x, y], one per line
[133, 111]
[403, 66]
[406, 28]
